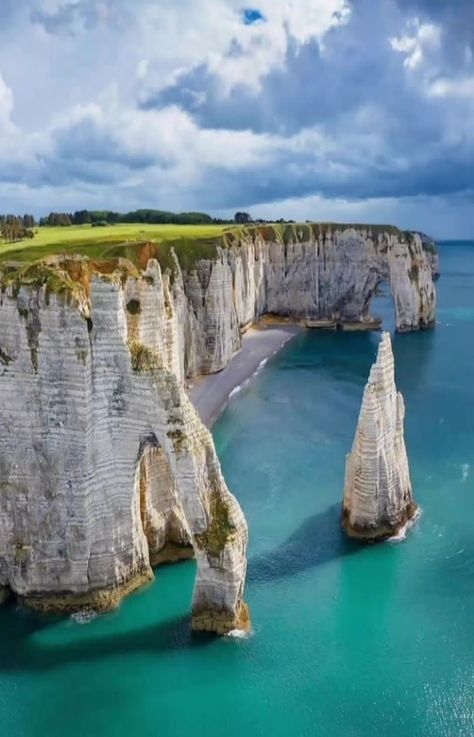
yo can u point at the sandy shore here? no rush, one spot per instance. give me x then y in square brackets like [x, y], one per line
[210, 394]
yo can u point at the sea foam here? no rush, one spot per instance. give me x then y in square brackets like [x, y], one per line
[403, 531]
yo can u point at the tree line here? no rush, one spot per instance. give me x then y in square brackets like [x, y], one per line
[16, 227]
[109, 217]
[145, 216]
[21, 227]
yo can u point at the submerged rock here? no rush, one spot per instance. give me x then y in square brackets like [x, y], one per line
[378, 498]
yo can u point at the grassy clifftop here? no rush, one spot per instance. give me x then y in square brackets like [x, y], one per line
[138, 243]
[96, 242]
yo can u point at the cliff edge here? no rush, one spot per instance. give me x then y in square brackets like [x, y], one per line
[319, 275]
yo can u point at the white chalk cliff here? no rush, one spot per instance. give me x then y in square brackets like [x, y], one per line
[378, 499]
[323, 276]
[105, 468]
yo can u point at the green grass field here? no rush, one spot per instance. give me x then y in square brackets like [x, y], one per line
[139, 242]
[101, 242]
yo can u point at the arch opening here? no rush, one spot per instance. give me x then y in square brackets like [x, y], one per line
[165, 529]
[381, 306]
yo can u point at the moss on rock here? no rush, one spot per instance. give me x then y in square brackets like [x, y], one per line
[220, 528]
[144, 359]
[178, 437]
[414, 272]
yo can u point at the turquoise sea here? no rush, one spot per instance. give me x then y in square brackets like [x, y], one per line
[349, 641]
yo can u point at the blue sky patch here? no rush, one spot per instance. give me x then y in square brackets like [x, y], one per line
[251, 16]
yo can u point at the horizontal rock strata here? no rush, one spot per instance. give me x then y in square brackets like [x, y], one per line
[320, 277]
[378, 498]
[105, 467]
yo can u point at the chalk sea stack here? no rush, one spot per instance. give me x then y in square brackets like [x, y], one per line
[378, 499]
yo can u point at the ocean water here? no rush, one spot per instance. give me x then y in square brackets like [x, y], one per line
[349, 641]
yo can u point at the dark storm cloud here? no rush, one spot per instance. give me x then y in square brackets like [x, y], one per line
[456, 16]
[66, 16]
[439, 177]
[87, 140]
[354, 116]
[75, 15]
[356, 69]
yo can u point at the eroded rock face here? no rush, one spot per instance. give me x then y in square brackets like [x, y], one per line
[105, 467]
[325, 279]
[378, 498]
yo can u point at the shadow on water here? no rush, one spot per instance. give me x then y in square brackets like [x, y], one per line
[20, 652]
[319, 540]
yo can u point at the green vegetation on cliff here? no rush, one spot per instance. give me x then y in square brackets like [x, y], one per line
[63, 276]
[220, 529]
[96, 242]
[140, 242]
[144, 360]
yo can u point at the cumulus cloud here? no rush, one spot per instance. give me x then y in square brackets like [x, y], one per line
[217, 35]
[425, 38]
[73, 16]
[460, 87]
[219, 104]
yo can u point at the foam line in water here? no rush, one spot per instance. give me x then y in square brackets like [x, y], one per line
[83, 617]
[259, 368]
[238, 388]
[239, 634]
[403, 532]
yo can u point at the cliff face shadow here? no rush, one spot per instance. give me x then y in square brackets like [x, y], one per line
[319, 540]
[20, 652]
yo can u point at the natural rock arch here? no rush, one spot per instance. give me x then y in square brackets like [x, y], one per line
[164, 524]
[319, 276]
[98, 412]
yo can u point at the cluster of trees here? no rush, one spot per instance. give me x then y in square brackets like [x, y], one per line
[58, 219]
[243, 218]
[19, 227]
[108, 217]
[16, 227]
[146, 216]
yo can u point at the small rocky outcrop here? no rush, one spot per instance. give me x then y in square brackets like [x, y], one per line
[378, 498]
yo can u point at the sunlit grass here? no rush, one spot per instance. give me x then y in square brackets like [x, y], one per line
[97, 242]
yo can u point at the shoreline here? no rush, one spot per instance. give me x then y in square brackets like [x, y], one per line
[210, 394]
